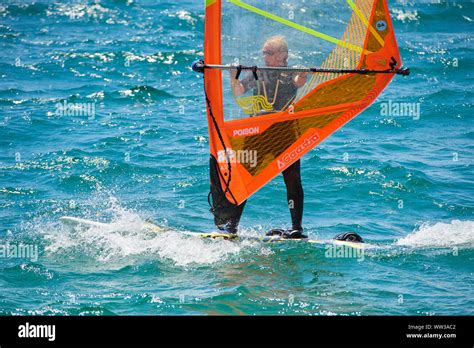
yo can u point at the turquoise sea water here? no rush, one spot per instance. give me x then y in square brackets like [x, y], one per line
[402, 181]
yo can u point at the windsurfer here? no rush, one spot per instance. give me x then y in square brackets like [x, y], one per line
[279, 89]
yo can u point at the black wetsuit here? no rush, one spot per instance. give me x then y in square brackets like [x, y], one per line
[226, 214]
[277, 87]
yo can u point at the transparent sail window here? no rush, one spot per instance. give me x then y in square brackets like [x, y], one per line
[284, 34]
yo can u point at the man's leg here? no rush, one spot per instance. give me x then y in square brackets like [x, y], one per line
[226, 215]
[231, 224]
[294, 193]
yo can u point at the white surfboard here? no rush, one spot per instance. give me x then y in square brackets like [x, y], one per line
[151, 226]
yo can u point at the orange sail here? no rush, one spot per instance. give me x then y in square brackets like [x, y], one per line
[251, 140]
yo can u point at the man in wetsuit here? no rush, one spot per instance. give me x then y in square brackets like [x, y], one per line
[279, 89]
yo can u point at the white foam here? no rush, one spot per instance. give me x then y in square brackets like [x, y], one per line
[453, 234]
[125, 240]
[79, 11]
[405, 15]
[182, 15]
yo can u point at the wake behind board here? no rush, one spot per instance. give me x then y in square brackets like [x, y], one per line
[151, 226]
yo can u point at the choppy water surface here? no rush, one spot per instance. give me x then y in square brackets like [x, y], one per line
[403, 182]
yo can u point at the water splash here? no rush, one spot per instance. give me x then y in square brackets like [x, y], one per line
[126, 239]
[454, 234]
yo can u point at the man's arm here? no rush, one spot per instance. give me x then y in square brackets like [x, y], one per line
[237, 87]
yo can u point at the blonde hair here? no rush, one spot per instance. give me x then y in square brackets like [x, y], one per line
[280, 41]
[282, 45]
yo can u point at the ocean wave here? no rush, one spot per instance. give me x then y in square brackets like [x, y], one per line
[405, 15]
[8, 33]
[59, 164]
[29, 272]
[77, 97]
[389, 176]
[16, 10]
[144, 93]
[183, 15]
[78, 11]
[126, 58]
[353, 172]
[16, 191]
[456, 233]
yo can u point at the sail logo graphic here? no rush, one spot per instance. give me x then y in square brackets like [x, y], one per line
[246, 131]
[381, 25]
[287, 158]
